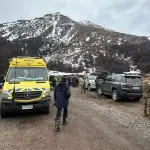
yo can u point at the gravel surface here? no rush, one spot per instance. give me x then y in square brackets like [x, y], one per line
[95, 123]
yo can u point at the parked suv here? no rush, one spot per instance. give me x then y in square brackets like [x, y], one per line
[121, 86]
[90, 82]
[100, 77]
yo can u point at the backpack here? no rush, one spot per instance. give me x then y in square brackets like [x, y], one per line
[147, 89]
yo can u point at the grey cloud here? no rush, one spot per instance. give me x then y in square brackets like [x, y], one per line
[124, 5]
[126, 16]
[130, 16]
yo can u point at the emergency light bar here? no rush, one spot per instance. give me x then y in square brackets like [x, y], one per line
[27, 61]
[28, 57]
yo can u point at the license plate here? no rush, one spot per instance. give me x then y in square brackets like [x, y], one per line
[27, 107]
[136, 88]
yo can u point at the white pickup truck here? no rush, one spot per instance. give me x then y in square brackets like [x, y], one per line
[90, 82]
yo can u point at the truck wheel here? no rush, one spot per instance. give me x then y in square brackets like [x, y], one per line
[100, 92]
[115, 95]
[46, 110]
[4, 114]
[137, 99]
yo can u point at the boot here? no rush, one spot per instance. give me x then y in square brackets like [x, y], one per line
[57, 122]
[65, 121]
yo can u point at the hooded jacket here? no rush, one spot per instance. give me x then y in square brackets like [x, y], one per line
[61, 95]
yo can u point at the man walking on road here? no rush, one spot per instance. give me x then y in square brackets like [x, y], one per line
[146, 98]
[82, 84]
[62, 94]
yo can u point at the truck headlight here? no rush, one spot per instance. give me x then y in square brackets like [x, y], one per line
[5, 94]
[47, 92]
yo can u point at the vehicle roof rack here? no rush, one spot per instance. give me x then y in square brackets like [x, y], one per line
[132, 73]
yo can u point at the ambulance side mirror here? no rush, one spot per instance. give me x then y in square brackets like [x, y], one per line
[2, 79]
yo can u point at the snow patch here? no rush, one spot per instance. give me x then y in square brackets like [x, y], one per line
[103, 52]
[119, 43]
[6, 34]
[54, 26]
[66, 39]
[109, 41]
[87, 39]
[13, 37]
[89, 23]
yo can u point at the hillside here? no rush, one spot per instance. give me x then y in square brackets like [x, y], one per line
[72, 46]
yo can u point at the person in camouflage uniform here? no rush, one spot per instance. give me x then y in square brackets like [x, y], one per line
[81, 84]
[146, 98]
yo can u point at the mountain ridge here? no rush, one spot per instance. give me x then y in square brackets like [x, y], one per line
[77, 45]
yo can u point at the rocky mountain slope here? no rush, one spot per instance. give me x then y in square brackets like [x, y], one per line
[68, 45]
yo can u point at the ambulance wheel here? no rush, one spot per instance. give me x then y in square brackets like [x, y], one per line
[4, 113]
[46, 110]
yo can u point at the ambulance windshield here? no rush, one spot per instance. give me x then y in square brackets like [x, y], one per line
[27, 74]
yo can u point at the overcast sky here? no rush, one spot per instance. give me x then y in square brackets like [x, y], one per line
[128, 16]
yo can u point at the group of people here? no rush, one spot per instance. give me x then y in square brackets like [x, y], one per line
[70, 81]
[53, 81]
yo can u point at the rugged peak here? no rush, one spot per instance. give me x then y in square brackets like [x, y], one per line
[86, 22]
[89, 23]
[54, 14]
[48, 15]
[57, 13]
[59, 38]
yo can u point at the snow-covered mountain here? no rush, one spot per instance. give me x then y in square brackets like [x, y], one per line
[49, 26]
[60, 39]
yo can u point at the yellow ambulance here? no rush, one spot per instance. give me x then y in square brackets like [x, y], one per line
[26, 86]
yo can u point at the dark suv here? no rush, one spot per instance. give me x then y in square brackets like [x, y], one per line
[121, 86]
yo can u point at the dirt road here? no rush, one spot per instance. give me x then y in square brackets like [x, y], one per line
[94, 124]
